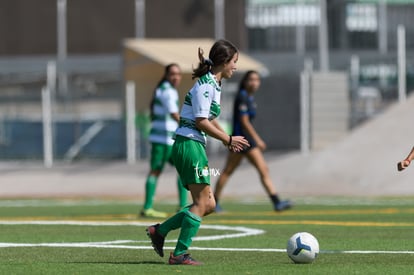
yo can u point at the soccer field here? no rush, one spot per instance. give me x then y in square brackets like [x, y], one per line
[360, 236]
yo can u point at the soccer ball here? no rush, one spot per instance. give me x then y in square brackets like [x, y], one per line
[302, 248]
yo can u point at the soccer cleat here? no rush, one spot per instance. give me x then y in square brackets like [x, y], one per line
[283, 205]
[218, 208]
[152, 213]
[156, 239]
[184, 259]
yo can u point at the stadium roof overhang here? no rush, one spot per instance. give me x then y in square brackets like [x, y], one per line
[145, 59]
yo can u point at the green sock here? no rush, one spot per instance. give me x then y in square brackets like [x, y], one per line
[182, 193]
[150, 187]
[189, 228]
[173, 222]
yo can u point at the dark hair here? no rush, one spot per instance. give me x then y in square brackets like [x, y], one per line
[167, 70]
[221, 52]
[242, 85]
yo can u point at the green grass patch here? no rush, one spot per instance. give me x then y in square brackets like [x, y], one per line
[372, 236]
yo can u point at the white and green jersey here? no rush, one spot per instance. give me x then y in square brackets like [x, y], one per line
[203, 100]
[165, 103]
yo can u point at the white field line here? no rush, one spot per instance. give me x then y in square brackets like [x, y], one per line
[306, 201]
[108, 245]
[240, 230]
[64, 203]
[243, 232]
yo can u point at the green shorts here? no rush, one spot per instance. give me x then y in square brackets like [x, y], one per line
[190, 160]
[160, 154]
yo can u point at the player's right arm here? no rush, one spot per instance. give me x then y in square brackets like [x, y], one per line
[406, 162]
[249, 129]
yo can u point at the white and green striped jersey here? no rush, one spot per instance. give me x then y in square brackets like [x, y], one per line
[203, 100]
[165, 103]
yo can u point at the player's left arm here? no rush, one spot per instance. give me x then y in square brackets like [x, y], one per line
[234, 143]
[217, 125]
[175, 116]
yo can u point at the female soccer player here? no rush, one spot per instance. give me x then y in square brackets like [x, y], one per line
[164, 122]
[243, 113]
[197, 119]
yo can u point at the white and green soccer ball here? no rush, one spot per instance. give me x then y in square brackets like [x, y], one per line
[302, 248]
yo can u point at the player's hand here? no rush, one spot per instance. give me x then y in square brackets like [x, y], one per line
[238, 143]
[403, 164]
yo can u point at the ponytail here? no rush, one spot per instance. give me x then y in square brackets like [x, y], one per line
[204, 65]
[220, 53]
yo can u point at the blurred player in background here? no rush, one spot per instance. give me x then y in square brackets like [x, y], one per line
[243, 113]
[164, 121]
[406, 162]
[197, 119]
